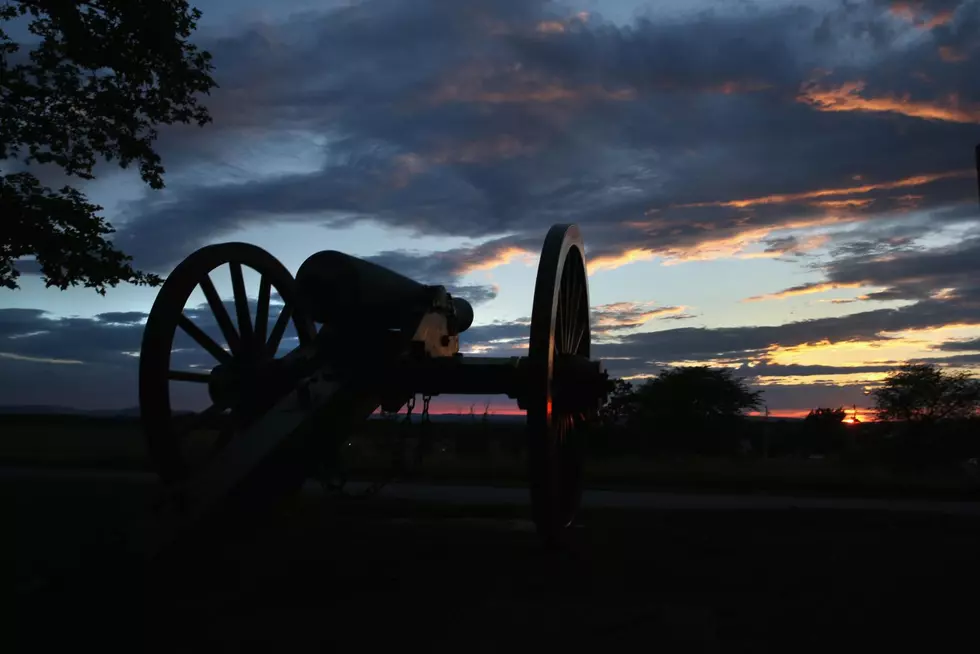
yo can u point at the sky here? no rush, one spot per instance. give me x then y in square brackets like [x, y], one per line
[784, 188]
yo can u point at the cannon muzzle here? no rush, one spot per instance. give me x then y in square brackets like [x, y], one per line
[464, 314]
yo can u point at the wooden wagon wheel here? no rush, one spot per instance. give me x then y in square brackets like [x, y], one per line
[178, 444]
[560, 332]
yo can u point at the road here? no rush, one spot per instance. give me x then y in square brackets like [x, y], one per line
[74, 482]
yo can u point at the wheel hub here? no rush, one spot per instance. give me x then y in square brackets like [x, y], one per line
[580, 384]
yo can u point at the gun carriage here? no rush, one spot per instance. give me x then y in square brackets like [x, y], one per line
[366, 337]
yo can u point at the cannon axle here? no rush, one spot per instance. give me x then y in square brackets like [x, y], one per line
[579, 381]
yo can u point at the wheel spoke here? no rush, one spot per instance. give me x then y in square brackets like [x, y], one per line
[581, 322]
[278, 330]
[220, 314]
[241, 302]
[578, 340]
[189, 376]
[559, 429]
[568, 279]
[559, 327]
[262, 311]
[575, 334]
[203, 339]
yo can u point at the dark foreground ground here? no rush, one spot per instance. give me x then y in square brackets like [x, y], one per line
[323, 575]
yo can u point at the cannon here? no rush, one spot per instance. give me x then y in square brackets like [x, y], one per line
[366, 337]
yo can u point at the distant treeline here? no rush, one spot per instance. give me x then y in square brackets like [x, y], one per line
[68, 420]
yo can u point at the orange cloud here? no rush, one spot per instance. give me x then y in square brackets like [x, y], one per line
[732, 88]
[827, 379]
[884, 349]
[501, 257]
[623, 315]
[950, 55]
[843, 204]
[847, 97]
[944, 294]
[406, 166]
[550, 27]
[783, 198]
[914, 12]
[803, 289]
[734, 245]
[847, 300]
[903, 10]
[613, 261]
[941, 18]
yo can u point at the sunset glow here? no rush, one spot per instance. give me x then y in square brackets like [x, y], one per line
[500, 258]
[846, 97]
[787, 191]
[783, 198]
[805, 289]
[611, 262]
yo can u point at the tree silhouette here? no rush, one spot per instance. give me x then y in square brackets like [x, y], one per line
[695, 394]
[619, 405]
[923, 392]
[824, 429]
[693, 409]
[826, 417]
[103, 76]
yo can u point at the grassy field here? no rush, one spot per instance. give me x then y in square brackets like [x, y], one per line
[52, 441]
[323, 575]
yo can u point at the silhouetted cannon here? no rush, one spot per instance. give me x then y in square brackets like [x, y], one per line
[366, 337]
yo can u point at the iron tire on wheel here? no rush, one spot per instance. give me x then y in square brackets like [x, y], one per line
[162, 429]
[559, 326]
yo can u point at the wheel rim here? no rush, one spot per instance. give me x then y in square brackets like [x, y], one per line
[234, 337]
[559, 326]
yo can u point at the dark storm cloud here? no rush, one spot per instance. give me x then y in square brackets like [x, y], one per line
[474, 294]
[110, 338]
[693, 343]
[483, 335]
[961, 346]
[606, 321]
[463, 119]
[915, 275]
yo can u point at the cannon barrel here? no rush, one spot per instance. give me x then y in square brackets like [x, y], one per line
[339, 289]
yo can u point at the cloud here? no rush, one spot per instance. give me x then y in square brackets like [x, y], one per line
[628, 315]
[840, 134]
[742, 343]
[847, 97]
[968, 345]
[801, 289]
[470, 120]
[940, 273]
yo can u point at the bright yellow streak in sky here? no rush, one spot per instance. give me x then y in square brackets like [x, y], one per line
[912, 344]
[847, 97]
[843, 379]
